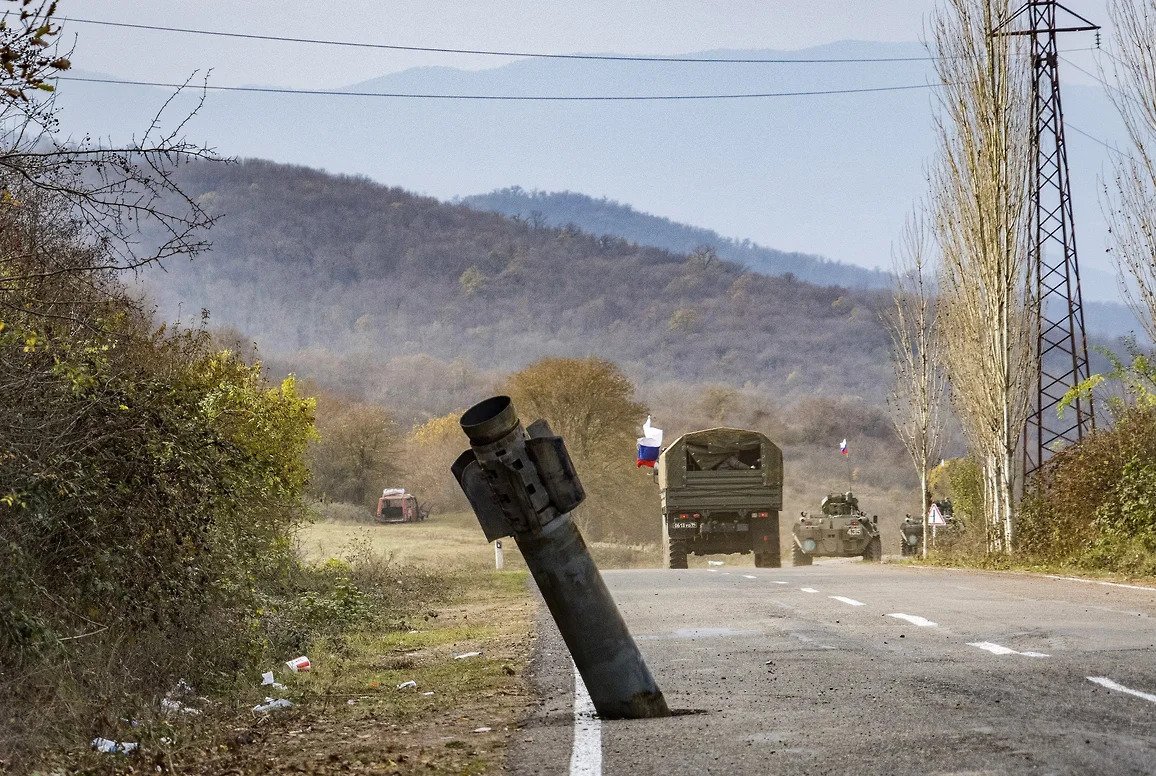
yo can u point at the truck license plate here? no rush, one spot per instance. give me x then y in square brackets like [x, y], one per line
[688, 525]
[854, 531]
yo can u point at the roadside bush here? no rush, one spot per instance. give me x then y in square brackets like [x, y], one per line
[148, 490]
[1095, 504]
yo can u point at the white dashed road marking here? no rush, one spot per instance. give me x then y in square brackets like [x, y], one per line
[1104, 681]
[915, 619]
[848, 601]
[749, 576]
[778, 582]
[586, 754]
[808, 590]
[996, 649]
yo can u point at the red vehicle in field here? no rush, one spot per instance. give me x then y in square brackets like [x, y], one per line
[398, 506]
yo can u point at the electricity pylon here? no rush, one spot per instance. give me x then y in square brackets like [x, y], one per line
[1055, 271]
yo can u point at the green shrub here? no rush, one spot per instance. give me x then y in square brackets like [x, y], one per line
[1094, 505]
[148, 491]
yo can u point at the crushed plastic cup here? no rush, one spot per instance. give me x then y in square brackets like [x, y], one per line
[407, 685]
[272, 704]
[465, 655]
[267, 680]
[113, 747]
[299, 664]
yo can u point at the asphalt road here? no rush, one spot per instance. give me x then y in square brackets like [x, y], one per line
[848, 667]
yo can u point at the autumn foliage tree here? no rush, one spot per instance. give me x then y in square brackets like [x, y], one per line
[590, 403]
[356, 453]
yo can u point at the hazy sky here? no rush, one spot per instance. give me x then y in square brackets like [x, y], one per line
[620, 26]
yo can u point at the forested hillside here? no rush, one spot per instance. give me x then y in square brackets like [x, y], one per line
[605, 216]
[401, 298]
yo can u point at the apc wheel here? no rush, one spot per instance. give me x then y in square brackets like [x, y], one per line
[874, 551]
[904, 548]
[799, 558]
[677, 554]
[768, 560]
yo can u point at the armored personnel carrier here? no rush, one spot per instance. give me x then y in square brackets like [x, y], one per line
[910, 536]
[840, 530]
[911, 529]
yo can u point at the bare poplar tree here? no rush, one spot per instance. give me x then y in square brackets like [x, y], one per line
[980, 193]
[916, 398]
[1132, 210]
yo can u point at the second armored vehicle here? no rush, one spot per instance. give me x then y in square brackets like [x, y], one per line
[841, 530]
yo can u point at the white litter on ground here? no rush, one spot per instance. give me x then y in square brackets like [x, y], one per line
[272, 704]
[465, 655]
[113, 747]
[407, 685]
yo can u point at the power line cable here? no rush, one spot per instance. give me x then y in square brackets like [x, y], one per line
[497, 53]
[506, 97]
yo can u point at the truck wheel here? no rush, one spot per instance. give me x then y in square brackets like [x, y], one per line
[767, 560]
[874, 551]
[677, 554]
[799, 558]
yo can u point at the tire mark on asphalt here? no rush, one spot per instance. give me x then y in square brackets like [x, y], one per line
[586, 753]
[1104, 681]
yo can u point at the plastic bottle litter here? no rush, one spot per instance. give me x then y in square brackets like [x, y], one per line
[272, 704]
[428, 694]
[407, 685]
[113, 747]
[483, 730]
[298, 664]
[465, 655]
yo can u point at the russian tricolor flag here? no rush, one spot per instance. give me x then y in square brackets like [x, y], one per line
[649, 444]
[843, 447]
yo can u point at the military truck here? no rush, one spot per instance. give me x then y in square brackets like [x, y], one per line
[840, 530]
[721, 490]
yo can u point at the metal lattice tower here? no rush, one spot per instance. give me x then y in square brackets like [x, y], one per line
[1055, 271]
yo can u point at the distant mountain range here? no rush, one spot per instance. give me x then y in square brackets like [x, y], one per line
[831, 175]
[603, 216]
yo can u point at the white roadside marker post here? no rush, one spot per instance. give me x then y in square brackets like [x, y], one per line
[499, 558]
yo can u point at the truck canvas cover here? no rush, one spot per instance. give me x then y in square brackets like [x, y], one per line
[721, 465]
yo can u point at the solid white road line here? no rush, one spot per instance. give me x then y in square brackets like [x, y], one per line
[848, 601]
[996, 649]
[808, 590]
[1099, 582]
[586, 754]
[1104, 681]
[915, 619]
